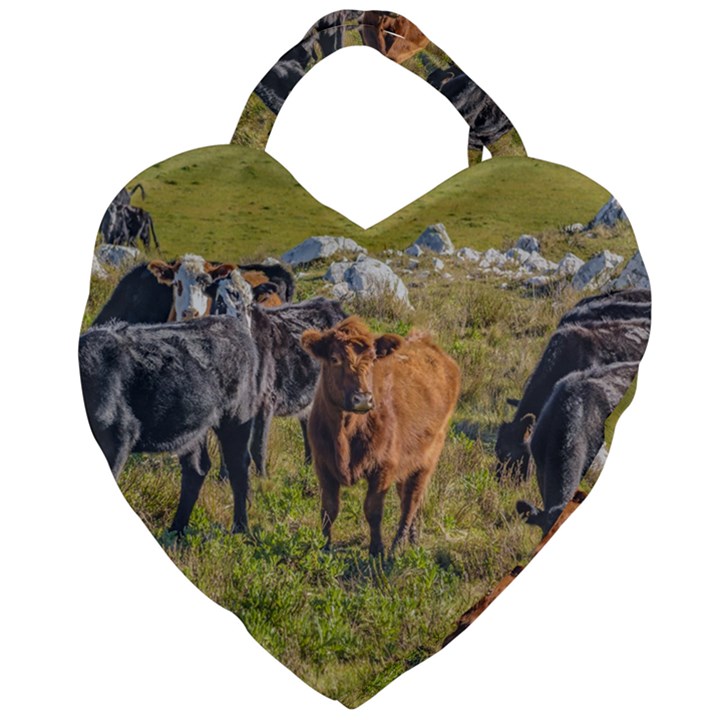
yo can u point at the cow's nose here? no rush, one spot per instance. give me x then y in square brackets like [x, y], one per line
[362, 402]
[189, 314]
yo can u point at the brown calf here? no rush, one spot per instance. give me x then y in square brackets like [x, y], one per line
[381, 411]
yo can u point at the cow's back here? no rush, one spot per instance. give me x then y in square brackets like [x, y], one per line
[138, 298]
[579, 346]
[170, 379]
[416, 389]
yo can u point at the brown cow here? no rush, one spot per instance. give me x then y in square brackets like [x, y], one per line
[381, 411]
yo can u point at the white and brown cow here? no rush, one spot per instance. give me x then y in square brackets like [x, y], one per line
[189, 277]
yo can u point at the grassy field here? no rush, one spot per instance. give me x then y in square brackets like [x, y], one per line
[342, 622]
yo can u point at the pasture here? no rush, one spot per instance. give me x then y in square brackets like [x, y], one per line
[342, 621]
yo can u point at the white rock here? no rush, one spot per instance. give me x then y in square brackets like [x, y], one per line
[537, 263]
[361, 256]
[322, 246]
[518, 255]
[342, 291]
[437, 264]
[336, 272]
[447, 276]
[373, 277]
[467, 253]
[116, 255]
[609, 214]
[414, 251]
[634, 275]
[97, 269]
[436, 239]
[492, 258]
[596, 271]
[569, 265]
[528, 243]
[575, 228]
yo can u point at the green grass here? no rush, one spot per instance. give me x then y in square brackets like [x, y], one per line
[342, 622]
[227, 202]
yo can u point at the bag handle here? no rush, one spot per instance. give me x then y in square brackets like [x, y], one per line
[398, 39]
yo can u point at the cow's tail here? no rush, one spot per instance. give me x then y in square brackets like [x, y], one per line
[142, 191]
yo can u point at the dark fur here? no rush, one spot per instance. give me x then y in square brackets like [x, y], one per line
[138, 298]
[570, 432]
[288, 375]
[623, 305]
[161, 388]
[279, 275]
[571, 347]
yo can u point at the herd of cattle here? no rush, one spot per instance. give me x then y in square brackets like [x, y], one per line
[191, 346]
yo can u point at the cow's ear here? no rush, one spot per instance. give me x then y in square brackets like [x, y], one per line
[387, 344]
[267, 288]
[316, 343]
[220, 271]
[164, 273]
[513, 402]
[527, 422]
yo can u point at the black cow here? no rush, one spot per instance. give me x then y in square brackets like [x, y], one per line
[571, 347]
[161, 388]
[140, 298]
[288, 375]
[622, 305]
[123, 224]
[569, 434]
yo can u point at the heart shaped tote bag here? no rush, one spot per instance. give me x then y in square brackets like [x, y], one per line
[354, 439]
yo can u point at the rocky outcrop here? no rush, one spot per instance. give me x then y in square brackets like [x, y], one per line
[319, 247]
[436, 239]
[596, 271]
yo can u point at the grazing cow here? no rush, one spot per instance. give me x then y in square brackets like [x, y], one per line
[123, 224]
[161, 388]
[479, 607]
[381, 411]
[569, 434]
[623, 305]
[571, 347]
[288, 376]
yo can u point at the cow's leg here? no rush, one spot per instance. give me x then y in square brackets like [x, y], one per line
[410, 501]
[378, 485]
[234, 439]
[259, 443]
[330, 502]
[116, 443]
[306, 440]
[195, 466]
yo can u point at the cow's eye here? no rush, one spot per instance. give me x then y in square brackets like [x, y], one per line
[336, 360]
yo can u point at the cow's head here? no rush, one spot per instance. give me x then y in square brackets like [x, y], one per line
[347, 353]
[267, 295]
[231, 295]
[190, 276]
[512, 448]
